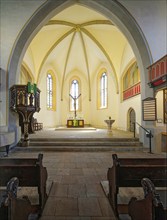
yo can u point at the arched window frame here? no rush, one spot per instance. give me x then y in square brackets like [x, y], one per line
[102, 97]
[51, 91]
[75, 90]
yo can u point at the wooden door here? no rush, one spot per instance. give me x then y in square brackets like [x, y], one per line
[132, 118]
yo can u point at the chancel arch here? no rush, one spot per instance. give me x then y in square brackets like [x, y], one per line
[112, 10]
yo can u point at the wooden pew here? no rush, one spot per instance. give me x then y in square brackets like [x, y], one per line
[14, 208]
[125, 176]
[30, 173]
[152, 206]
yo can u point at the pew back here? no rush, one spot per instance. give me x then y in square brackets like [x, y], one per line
[29, 171]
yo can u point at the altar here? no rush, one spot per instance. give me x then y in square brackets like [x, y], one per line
[74, 123]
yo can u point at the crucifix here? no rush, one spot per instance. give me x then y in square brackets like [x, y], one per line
[75, 99]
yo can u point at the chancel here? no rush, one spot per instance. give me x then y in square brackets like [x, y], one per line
[113, 52]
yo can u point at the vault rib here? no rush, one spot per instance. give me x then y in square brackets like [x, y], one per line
[66, 62]
[87, 63]
[52, 48]
[104, 52]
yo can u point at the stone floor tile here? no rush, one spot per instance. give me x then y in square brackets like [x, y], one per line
[102, 177]
[81, 165]
[59, 190]
[52, 170]
[89, 171]
[101, 171]
[50, 207]
[66, 207]
[92, 179]
[55, 178]
[69, 179]
[77, 171]
[59, 165]
[94, 190]
[93, 164]
[81, 179]
[63, 171]
[77, 190]
[70, 165]
[89, 207]
[106, 207]
[106, 164]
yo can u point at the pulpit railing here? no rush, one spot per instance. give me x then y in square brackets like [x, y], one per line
[20, 97]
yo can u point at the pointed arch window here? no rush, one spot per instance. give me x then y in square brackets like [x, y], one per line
[49, 91]
[103, 90]
[74, 91]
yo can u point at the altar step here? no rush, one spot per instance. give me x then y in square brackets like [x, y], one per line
[85, 144]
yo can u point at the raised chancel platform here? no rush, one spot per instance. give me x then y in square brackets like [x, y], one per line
[83, 139]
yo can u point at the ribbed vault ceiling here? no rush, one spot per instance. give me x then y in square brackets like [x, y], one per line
[77, 39]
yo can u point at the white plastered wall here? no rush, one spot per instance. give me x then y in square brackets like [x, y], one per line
[151, 15]
[49, 118]
[135, 102]
[99, 115]
[159, 98]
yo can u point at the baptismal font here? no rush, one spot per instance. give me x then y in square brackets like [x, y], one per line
[109, 123]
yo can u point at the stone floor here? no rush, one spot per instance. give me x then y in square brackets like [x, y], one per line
[76, 192]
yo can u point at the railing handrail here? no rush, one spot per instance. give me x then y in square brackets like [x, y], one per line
[148, 132]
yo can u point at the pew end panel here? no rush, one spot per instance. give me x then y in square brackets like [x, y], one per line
[14, 208]
[152, 206]
[125, 176]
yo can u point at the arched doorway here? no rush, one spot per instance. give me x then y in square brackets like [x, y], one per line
[131, 119]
